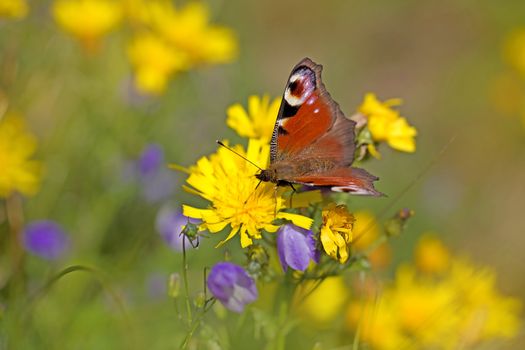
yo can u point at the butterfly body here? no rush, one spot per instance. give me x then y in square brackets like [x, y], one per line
[313, 142]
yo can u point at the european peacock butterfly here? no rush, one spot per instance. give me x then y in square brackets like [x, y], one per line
[313, 142]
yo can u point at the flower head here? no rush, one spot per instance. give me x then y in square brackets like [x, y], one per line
[514, 50]
[336, 231]
[367, 232]
[154, 61]
[149, 170]
[19, 173]
[150, 160]
[296, 247]
[460, 307]
[324, 303]
[169, 224]
[46, 239]
[13, 8]
[232, 286]
[431, 255]
[385, 123]
[258, 121]
[188, 29]
[228, 182]
[170, 40]
[87, 20]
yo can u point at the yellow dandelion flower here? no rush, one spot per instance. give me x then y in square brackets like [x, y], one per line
[385, 123]
[19, 173]
[154, 62]
[13, 8]
[336, 231]
[258, 121]
[431, 255]
[324, 303]
[87, 20]
[514, 50]
[228, 182]
[188, 28]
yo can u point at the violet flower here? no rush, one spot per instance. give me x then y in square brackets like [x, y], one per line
[156, 180]
[169, 223]
[296, 247]
[45, 239]
[232, 286]
[150, 160]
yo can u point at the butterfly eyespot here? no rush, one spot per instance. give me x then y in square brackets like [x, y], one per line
[300, 87]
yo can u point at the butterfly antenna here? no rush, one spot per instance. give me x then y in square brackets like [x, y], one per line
[240, 155]
[412, 183]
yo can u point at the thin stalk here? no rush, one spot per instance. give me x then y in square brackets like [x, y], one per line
[15, 219]
[185, 278]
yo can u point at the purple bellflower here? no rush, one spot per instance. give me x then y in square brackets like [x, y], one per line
[232, 286]
[296, 247]
[45, 239]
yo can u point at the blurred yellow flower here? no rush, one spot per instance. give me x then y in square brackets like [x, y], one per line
[431, 255]
[385, 124]
[367, 232]
[13, 8]
[460, 308]
[229, 183]
[485, 314]
[188, 29]
[87, 20]
[336, 231]
[324, 303]
[154, 62]
[171, 39]
[18, 172]
[376, 323]
[258, 122]
[514, 50]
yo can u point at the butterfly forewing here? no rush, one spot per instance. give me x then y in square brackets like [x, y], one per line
[313, 142]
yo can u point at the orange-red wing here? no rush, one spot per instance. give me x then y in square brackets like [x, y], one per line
[353, 180]
[310, 123]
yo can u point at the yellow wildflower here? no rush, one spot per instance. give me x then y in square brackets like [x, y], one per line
[485, 314]
[431, 255]
[228, 182]
[177, 39]
[87, 20]
[19, 173]
[366, 232]
[385, 123]
[13, 8]
[514, 50]
[376, 322]
[336, 231]
[460, 308]
[258, 122]
[325, 302]
[189, 30]
[154, 61]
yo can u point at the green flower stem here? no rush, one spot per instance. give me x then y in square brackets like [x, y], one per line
[185, 278]
[15, 218]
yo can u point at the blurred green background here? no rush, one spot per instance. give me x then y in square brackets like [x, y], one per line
[443, 58]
